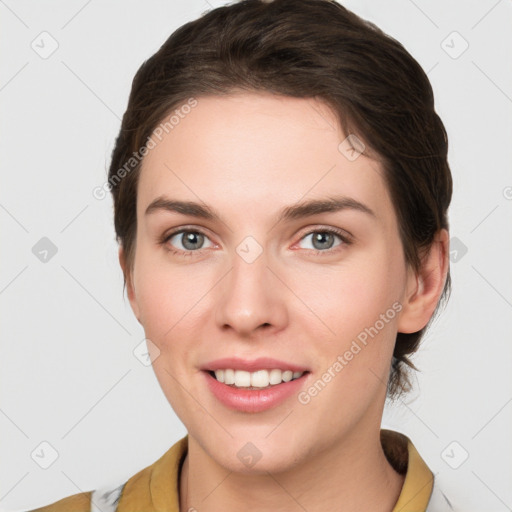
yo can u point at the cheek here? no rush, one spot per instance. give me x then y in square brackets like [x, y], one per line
[159, 295]
[353, 363]
[354, 296]
[171, 298]
[360, 305]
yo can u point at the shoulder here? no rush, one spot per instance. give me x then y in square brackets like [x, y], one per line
[75, 503]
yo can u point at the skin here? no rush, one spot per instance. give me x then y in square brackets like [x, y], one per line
[248, 156]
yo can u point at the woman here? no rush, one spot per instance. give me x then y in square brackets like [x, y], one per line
[281, 187]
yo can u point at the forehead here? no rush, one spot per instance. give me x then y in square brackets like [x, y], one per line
[257, 151]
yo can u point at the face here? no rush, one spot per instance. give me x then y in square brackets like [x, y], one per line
[319, 290]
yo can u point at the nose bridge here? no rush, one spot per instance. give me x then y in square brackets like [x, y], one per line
[248, 297]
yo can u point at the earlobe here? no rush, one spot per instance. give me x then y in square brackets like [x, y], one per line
[130, 291]
[424, 288]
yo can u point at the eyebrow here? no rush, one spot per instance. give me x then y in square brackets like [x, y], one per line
[293, 212]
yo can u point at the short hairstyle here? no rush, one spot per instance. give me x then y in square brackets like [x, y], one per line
[304, 49]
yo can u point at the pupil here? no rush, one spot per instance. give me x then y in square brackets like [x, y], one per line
[192, 238]
[319, 237]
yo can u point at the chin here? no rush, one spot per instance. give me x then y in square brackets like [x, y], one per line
[255, 454]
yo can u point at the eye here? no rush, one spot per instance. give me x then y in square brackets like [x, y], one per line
[323, 240]
[191, 240]
[186, 242]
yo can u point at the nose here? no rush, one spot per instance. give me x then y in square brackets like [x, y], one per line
[251, 298]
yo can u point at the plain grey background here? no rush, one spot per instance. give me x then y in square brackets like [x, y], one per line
[75, 398]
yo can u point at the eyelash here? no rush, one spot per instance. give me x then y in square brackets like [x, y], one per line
[346, 240]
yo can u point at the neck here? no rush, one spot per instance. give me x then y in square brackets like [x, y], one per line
[352, 474]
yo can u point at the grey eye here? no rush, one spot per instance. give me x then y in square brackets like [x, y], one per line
[322, 240]
[190, 240]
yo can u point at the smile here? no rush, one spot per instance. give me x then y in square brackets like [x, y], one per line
[255, 380]
[242, 396]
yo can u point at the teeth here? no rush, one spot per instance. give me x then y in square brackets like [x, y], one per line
[229, 376]
[242, 379]
[258, 379]
[275, 376]
[287, 375]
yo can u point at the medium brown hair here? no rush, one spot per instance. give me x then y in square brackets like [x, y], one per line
[304, 49]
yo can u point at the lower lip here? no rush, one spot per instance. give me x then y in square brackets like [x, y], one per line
[253, 400]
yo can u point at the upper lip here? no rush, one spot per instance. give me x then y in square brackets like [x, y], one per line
[251, 365]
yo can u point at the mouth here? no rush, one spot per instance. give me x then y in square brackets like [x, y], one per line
[254, 385]
[257, 380]
[257, 391]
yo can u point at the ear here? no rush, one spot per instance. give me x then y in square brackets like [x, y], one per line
[130, 290]
[424, 289]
